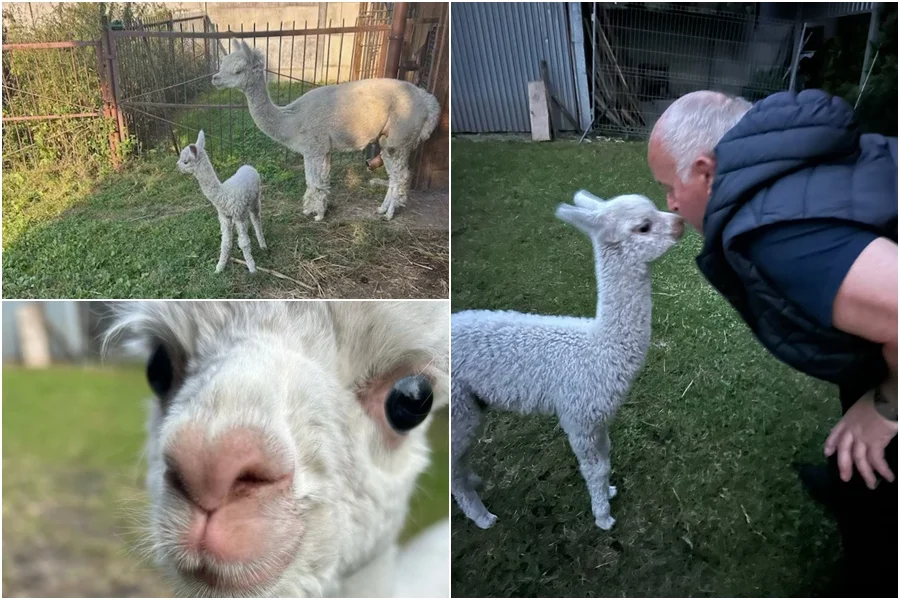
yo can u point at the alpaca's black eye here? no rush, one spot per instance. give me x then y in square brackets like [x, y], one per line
[645, 227]
[409, 403]
[160, 372]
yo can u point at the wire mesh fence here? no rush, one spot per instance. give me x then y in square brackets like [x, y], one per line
[52, 104]
[164, 74]
[149, 83]
[642, 56]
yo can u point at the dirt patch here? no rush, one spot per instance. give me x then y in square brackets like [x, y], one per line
[73, 539]
[368, 262]
[425, 210]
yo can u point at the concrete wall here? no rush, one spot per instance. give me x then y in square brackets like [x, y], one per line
[316, 59]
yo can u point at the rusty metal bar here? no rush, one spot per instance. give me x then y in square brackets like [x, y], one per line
[398, 29]
[49, 117]
[252, 34]
[115, 82]
[43, 45]
[105, 74]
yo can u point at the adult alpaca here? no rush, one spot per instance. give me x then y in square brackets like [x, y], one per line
[337, 118]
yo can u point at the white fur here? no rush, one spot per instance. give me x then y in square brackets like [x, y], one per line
[579, 369]
[337, 118]
[293, 370]
[237, 200]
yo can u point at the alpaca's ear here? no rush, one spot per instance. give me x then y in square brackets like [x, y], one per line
[193, 149]
[585, 199]
[590, 221]
[577, 217]
[201, 140]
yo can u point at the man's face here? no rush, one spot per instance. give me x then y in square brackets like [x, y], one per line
[687, 198]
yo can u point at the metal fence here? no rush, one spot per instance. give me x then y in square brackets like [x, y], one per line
[163, 75]
[55, 102]
[150, 82]
[643, 56]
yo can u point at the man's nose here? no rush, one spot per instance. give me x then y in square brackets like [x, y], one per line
[670, 202]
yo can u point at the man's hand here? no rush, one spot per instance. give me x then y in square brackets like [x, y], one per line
[860, 438]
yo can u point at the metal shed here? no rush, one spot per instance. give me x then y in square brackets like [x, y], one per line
[498, 48]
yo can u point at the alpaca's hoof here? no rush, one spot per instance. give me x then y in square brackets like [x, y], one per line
[380, 210]
[252, 269]
[318, 218]
[220, 268]
[605, 523]
[263, 247]
[487, 521]
[612, 491]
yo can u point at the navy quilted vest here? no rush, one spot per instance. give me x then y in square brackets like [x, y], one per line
[792, 157]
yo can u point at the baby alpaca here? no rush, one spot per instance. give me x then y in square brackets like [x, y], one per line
[237, 200]
[284, 442]
[579, 369]
[337, 118]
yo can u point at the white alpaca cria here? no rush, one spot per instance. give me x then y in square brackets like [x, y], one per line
[579, 369]
[337, 118]
[238, 199]
[285, 440]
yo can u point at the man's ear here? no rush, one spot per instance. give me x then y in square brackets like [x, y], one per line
[705, 166]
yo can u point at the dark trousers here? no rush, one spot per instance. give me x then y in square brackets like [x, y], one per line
[867, 521]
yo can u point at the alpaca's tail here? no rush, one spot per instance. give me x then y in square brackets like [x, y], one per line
[433, 111]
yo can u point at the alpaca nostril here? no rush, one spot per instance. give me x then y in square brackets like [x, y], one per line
[235, 465]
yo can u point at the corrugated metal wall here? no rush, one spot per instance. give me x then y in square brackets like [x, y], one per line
[497, 50]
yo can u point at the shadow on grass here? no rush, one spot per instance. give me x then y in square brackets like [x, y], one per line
[148, 231]
[707, 504]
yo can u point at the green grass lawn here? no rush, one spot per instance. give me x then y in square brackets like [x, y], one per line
[708, 504]
[72, 483]
[147, 231]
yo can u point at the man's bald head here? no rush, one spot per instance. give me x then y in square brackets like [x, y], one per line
[681, 150]
[694, 124]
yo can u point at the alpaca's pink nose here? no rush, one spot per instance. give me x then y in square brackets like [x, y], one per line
[234, 466]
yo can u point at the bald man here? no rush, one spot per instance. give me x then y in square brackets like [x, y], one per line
[798, 211]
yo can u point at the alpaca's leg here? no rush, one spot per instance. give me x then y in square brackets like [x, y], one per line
[605, 443]
[465, 423]
[257, 224]
[318, 183]
[389, 165]
[225, 226]
[396, 162]
[244, 243]
[591, 446]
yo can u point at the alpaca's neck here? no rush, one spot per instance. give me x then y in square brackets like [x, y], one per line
[268, 117]
[208, 180]
[624, 302]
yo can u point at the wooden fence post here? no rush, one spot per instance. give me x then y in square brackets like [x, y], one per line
[432, 159]
[33, 337]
